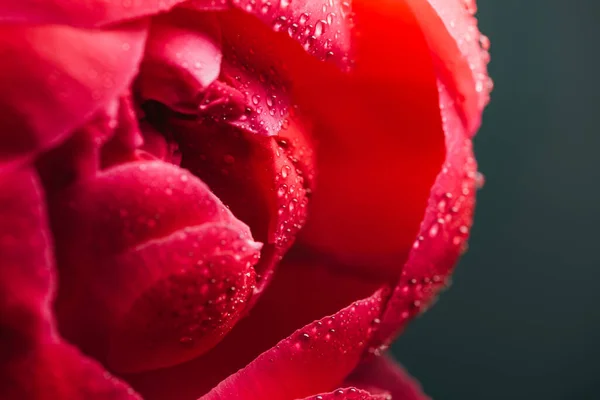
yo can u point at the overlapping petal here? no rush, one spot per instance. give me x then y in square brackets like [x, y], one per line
[445, 228]
[460, 52]
[182, 58]
[54, 78]
[384, 374]
[311, 360]
[85, 13]
[154, 269]
[36, 364]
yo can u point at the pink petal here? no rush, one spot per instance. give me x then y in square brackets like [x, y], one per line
[460, 51]
[444, 232]
[54, 79]
[301, 292]
[312, 359]
[84, 13]
[351, 393]
[321, 27]
[385, 374]
[36, 364]
[182, 58]
[154, 269]
[263, 180]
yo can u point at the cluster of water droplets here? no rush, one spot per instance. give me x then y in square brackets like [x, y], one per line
[483, 83]
[322, 29]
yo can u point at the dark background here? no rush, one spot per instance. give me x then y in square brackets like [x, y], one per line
[522, 319]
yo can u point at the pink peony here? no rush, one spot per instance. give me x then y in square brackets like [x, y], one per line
[229, 199]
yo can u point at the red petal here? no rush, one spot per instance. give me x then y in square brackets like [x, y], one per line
[50, 89]
[322, 27]
[445, 228]
[301, 292]
[312, 359]
[89, 13]
[182, 58]
[385, 374]
[35, 363]
[349, 394]
[380, 142]
[154, 269]
[460, 52]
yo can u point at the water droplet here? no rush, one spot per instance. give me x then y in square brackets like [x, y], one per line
[479, 180]
[186, 341]
[320, 27]
[303, 18]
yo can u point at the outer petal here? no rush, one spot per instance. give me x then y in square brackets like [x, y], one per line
[385, 374]
[445, 228]
[81, 13]
[312, 359]
[350, 393]
[36, 364]
[301, 292]
[460, 51]
[54, 78]
[154, 269]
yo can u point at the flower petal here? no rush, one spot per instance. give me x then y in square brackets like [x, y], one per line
[385, 374]
[54, 78]
[312, 359]
[36, 364]
[301, 292]
[460, 51]
[264, 180]
[88, 13]
[182, 58]
[321, 27]
[380, 142]
[444, 232]
[351, 393]
[154, 269]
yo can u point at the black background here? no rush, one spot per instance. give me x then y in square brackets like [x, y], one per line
[522, 319]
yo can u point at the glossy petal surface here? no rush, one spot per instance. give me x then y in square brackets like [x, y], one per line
[310, 360]
[444, 231]
[154, 269]
[379, 137]
[182, 58]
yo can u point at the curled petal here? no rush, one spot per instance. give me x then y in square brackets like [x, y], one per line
[36, 364]
[54, 78]
[301, 292]
[444, 232]
[350, 393]
[383, 373]
[182, 58]
[460, 52]
[88, 13]
[312, 359]
[154, 269]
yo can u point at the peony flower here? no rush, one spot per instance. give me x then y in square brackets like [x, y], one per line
[229, 199]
